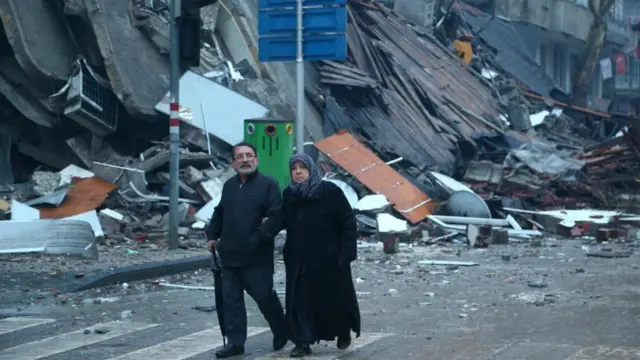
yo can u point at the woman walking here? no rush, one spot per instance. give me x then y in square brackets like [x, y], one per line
[321, 301]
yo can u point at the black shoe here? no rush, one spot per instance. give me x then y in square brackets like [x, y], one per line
[300, 351]
[344, 341]
[229, 351]
[279, 342]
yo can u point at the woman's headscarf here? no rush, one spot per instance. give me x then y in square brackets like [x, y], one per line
[311, 186]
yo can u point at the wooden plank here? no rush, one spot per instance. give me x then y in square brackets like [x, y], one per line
[337, 65]
[365, 45]
[375, 174]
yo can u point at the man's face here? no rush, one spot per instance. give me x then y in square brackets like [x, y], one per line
[245, 161]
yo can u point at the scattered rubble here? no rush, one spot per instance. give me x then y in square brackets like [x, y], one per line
[431, 150]
[515, 152]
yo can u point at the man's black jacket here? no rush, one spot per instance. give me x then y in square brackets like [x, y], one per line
[237, 222]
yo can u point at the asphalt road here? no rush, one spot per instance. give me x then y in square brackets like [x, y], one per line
[520, 302]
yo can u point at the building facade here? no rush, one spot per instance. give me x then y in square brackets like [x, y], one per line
[553, 33]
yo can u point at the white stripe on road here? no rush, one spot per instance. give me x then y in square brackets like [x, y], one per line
[72, 340]
[184, 347]
[606, 352]
[18, 323]
[329, 352]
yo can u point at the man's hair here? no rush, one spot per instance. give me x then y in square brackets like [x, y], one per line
[243, 143]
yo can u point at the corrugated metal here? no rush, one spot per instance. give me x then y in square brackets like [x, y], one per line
[48, 236]
[376, 175]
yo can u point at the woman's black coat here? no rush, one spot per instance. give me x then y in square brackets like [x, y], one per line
[322, 237]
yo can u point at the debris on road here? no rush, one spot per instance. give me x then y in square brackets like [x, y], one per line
[446, 263]
[434, 149]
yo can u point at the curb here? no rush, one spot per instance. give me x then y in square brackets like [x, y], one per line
[142, 272]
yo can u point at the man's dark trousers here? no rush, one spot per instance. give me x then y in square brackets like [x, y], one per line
[257, 280]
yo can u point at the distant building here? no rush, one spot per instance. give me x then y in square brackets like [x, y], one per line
[553, 34]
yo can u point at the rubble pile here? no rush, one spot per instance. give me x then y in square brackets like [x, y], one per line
[414, 99]
[132, 205]
[81, 78]
[543, 173]
[451, 144]
[481, 123]
[428, 116]
[84, 123]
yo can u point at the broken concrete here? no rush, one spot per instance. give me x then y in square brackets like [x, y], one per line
[138, 80]
[40, 41]
[15, 87]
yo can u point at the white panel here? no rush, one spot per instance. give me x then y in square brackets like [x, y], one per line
[329, 352]
[22, 212]
[224, 109]
[72, 340]
[184, 347]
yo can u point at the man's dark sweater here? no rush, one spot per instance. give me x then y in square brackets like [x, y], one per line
[237, 222]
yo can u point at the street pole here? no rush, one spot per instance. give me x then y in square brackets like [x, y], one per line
[174, 124]
[299, 82]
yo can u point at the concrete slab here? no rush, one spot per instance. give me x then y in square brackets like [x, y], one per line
[41, 43]
[21, 92]
[138, 73]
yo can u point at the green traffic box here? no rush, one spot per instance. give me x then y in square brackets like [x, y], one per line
[274, 141]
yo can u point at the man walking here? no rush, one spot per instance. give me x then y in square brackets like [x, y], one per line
[243, 228]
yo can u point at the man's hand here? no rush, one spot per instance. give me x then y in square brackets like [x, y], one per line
[211, 245]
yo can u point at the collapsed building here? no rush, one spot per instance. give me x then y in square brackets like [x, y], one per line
[97, 70]
[84, 90]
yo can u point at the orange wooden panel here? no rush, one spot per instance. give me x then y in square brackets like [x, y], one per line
[376, 175]
[85, 195]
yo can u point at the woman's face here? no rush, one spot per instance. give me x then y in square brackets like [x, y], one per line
[299, 172]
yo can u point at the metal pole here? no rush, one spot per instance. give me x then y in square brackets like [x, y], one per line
[174, 125]
[299, 82]
[206, 131]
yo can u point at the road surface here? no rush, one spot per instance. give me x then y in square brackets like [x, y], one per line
[541, 302]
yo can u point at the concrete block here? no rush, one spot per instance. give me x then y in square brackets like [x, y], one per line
[486, 230]
[603, 235]
[193, 176]
[500, 237]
